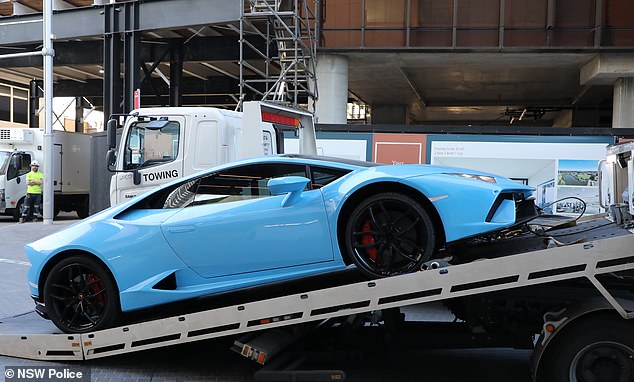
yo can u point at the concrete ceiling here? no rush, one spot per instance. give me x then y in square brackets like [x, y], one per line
[474, 86]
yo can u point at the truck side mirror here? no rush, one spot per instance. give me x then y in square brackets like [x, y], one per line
[112, 133]
[136, 177]
[111, 157]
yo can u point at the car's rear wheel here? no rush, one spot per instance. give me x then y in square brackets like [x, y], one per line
[80, 295]
[389, 234]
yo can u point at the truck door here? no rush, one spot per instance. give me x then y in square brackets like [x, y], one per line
[19, 166]
[151, 154]
[271, 138]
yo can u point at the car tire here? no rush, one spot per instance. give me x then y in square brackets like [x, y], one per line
[389, 234]
[597, 349]
[80, 295]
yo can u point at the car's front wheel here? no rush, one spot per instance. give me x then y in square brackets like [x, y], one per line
[389, 234]
[80, 295]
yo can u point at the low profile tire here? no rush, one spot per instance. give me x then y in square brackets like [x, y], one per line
[80, 296]
[600, 349]
[389, 234]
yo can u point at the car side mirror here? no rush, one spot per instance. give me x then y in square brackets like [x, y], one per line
[292, 186]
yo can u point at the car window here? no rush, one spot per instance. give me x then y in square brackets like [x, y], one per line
[321, 176]
[181, 196]
[242, 183]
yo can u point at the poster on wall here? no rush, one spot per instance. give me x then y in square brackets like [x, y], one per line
[556, 170]
[577, 185]
[399, 148]
[355, 149]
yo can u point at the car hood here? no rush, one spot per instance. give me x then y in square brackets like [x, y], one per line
[405, 171]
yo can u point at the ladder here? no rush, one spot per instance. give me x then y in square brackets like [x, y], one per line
[288, 74]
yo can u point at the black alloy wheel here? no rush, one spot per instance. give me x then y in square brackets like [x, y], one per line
[389, 234]
[80, 296]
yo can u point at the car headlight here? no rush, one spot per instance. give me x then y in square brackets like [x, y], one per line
[484, 178]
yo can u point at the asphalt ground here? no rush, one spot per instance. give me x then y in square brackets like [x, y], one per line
[213, 361]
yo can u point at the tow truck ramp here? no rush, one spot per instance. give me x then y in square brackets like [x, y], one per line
[587, 260]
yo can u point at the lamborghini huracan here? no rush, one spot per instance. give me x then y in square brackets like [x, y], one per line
[260, 221]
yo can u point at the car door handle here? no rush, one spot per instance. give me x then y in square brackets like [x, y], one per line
[182, 229]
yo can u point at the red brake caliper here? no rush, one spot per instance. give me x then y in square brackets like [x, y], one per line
[96, 287]
[368, 239]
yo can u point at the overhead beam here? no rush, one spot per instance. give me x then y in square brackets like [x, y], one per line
[218, 48]
[189, 85]
[89, 21]
[606, 68]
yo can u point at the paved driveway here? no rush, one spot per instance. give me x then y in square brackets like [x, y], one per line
[14, 290]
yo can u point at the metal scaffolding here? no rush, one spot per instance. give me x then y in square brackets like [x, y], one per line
[287, 73]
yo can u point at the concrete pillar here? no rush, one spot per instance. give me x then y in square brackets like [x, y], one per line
[623, 104]
[390, 114]
[332, 84]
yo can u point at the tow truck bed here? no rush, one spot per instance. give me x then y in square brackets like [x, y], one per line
[501, 265]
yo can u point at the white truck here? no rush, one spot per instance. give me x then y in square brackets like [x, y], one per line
[71, 169]
[161, 144]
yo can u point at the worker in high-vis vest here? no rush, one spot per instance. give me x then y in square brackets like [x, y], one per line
[33, 200]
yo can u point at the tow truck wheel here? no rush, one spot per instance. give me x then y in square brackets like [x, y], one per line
[600, 349]
[17, 212]
[80, 295]
[389, 234]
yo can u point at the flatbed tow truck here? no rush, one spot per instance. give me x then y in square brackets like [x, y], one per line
[566, 292]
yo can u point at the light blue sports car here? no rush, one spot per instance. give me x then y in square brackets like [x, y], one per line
[260, 221]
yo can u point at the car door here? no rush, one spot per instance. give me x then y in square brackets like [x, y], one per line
[234, 225]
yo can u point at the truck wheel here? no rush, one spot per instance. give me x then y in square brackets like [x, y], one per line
[597, 349]
[80, 295]
[17, 212]
[82, 209]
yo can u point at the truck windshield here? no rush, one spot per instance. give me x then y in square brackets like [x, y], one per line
[149, 147]
[4, 161]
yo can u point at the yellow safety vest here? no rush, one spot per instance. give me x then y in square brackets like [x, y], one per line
[36, 188]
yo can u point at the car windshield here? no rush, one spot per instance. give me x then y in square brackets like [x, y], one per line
[147, 146]
[4, 161]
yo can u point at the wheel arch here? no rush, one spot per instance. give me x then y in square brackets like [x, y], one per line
[380, 187]
[66, 254]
